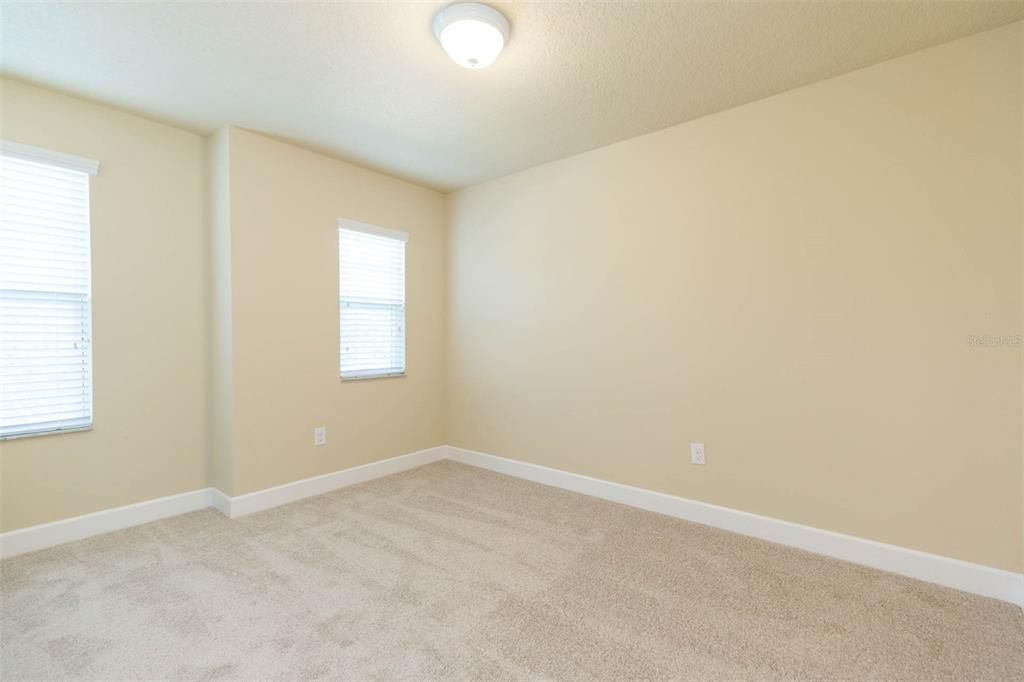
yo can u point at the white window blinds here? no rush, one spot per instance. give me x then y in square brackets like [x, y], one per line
[45, 328]
[372, 301]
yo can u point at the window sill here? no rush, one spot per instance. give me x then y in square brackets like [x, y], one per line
[37, 434]
[371, 377]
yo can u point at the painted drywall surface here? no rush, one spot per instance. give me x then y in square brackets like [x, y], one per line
[219, 342]
[793, 283]
[285, 203]
[149, 319]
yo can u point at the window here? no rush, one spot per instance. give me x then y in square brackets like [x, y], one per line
[45, 308]
[371, 267]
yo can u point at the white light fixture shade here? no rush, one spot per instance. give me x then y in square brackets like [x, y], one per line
[471, 33]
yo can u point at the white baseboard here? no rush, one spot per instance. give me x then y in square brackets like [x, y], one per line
[961, 575]
[234, 507]
[220, 502]
[44, 535]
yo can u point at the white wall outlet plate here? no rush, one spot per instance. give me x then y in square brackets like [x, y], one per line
[697, 453]
[320, 436]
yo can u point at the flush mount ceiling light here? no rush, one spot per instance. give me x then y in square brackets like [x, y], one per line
[471, 33]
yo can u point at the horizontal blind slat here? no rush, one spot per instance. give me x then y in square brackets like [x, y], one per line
[371, 295]
[45, 311]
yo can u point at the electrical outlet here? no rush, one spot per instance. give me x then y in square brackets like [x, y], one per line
[320, 436]
[697, 453]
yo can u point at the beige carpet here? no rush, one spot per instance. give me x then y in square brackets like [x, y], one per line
[451, 572]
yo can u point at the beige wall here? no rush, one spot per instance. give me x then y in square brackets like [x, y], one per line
[285, 203]
[256, 349]
[149, 323]
[220, 358]
[793, 283]
[215, 280]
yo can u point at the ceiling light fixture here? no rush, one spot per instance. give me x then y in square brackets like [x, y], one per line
[471, 33]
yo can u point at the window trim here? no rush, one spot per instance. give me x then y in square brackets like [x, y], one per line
[90, 168]
[371, 377]
[50, 432]
[48, 157]
[398, 235]
[354, 226]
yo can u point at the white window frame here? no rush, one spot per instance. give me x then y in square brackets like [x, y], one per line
[398, 235]
[89, 167]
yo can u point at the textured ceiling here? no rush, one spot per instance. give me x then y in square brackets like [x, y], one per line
[367, 82]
